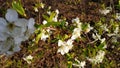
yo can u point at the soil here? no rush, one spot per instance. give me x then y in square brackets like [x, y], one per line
[86, 10]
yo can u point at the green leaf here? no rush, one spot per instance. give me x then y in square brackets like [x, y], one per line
[52, 16]
[69, 64]
[101, 46]
[46, 17]
[49, 18]
[38, 38]
[118, 6]
[18, 7]
[84, 27]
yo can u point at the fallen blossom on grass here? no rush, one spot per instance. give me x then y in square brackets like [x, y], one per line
[65, 46]
[98, 58]
[79, 64]
[28, 59]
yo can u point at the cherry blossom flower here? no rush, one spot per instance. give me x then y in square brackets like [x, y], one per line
[43, 35]
[98, 58]
[44, 22]
[106, 10]
[98, 37]
[80, 64]
[13, 31]
[28, 59]
[11, 15]
[65, 46]
[3, 29]
[76, 33]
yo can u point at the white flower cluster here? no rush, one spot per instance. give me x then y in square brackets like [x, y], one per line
[77, 31]
[13, 31]
[43, 35]
[98, 58]
[47, 31]
[106, 10]
[80, 64]
[98, 37]
[65, 46]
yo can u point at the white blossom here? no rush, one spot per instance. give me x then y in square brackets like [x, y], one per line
[31, 27]
[116, 29]
[42, 5]
[80, 64]
[14, 31]
[104, 27]
[36, 9]
[98, 37]
[5, 45]
[44, 22]
[48, 12]
[76, 33]
[21, 22]
[98, 58]
[106, 10]
[116, 32]
[65, 46]
[11, 15]
[44, 36]
[57, 11]
[88, 28]
[118, 16]
[66, 23]
[3, 29]
[28, 59]
[76, 20]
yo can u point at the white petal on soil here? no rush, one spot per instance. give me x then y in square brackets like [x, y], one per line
[9, 53]
[17, 31]
[3, 24]
[98, 58]
[11, 15]
[19, 39]
[60, 43]
[16, 48]
[6, 45]
[22, 23]
[70, 42]
[76, 33]
[57, 11]
[31, 23]
[76, 20]
[65, 46]
[44, 36]
[28, 59]
[3, 21]
[44, 22]
[3, 37]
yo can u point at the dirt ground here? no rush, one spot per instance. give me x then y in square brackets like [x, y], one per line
[86, 10]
